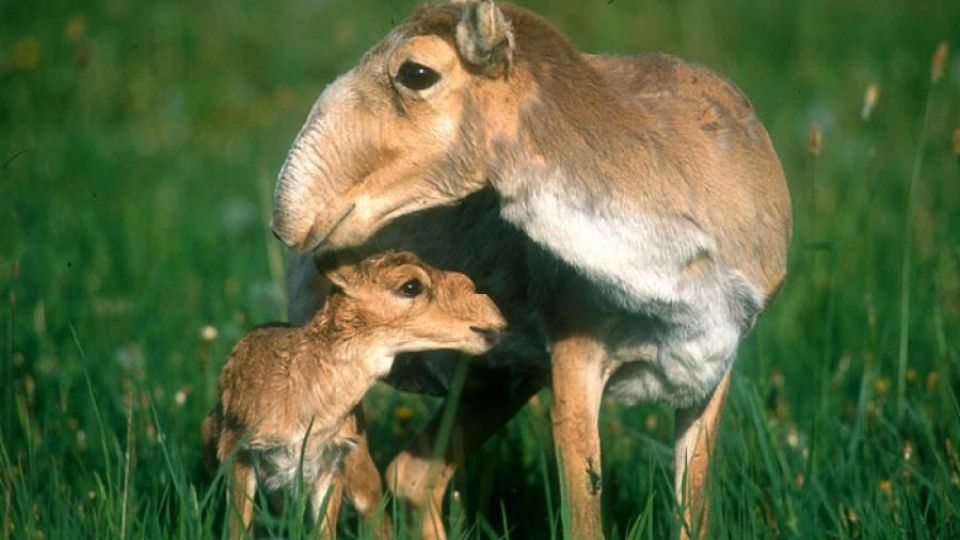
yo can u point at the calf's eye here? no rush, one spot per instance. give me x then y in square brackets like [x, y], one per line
[416, 76]
[411, 289]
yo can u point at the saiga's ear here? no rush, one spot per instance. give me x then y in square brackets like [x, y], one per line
[340, 269]
[485, 37]
[342, 277]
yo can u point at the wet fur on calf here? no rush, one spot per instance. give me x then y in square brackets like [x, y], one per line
[285, 391]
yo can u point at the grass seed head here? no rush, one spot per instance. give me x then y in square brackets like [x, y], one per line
[75, 28]
[953, 460]
[26, 53]
[870, 96]
[886, 486]
[793, 437]
[939, 62]
[208, 333]
[814, 139]
[403, 413]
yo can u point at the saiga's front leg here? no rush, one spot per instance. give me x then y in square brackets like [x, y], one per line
[577, 384]
[325, 490]
[695, 434]
[360, 478]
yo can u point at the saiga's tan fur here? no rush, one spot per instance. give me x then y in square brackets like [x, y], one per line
[284, 388]
[654, 209]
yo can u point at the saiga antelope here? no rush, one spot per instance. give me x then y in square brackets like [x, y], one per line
[627, 213]
[286, 392]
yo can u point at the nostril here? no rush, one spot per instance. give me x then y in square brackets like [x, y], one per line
[276, 232]
[490, 335]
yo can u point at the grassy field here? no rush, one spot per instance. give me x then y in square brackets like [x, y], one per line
[138, 146]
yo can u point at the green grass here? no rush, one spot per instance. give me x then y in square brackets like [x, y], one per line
[138, 146]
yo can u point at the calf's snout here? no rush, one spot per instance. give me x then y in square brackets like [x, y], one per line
[490, 335]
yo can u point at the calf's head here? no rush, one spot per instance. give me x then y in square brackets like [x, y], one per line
[408, 128]
[414, 307]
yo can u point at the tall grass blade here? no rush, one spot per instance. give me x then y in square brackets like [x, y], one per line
[907, 261]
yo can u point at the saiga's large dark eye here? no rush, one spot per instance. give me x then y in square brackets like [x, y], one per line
[416, 76]
[411, 289]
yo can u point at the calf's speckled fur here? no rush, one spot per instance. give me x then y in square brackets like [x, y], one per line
[285, 391]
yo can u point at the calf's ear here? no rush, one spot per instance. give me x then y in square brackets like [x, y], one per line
[340, 269]
[485, 38]
[342, 277]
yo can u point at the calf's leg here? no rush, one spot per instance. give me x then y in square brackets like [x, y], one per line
[361, 479]
[421, 480]
[243, 480]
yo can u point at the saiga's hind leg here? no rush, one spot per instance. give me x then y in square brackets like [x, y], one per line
[695, 434]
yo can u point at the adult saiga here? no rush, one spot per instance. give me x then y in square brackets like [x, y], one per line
[628, 214]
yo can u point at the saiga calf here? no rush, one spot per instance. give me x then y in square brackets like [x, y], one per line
[286, 391]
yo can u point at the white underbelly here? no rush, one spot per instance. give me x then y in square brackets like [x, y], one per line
[682, 312]
[280, 467]
[667, 380]
[675, 359]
